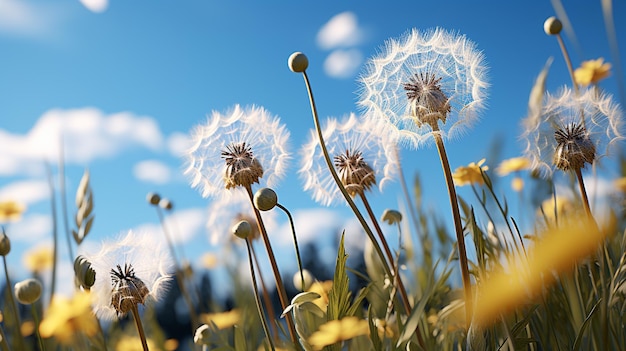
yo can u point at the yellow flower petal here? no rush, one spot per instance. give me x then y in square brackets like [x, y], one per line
[11, 211]
[592, 71]
[471, 174]
[222, 320]
[338, 330]
[511, 165]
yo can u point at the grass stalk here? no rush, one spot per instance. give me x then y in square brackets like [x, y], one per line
[295, 243]
[257, 299]
[142, 333]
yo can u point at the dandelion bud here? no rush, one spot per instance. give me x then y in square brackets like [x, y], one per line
[153, 198]
[242, 229]
[552, 26]
[166, 204]
[5, 244]
[308, 280]
[28, 291]
[392, 216]
[265, 199]
[298, 62]
[85, 275]
[202, 335]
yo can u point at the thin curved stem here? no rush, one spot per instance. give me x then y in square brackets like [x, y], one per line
[256, 296]
[280, 287]
[568, 62]
[295, 243]
[33, 309]
[142, 333]
[55, 239]
[3, 342]
[16, 312]
[390, 256]
[266, 295]
[64, 211]
[460, 237]
[343, 190]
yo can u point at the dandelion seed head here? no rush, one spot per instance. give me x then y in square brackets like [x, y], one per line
[244, 146]
[571, 131]
[363, 154]
[424, 83]
[130, 270]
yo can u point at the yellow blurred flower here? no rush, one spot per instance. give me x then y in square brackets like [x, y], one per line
[557, 208]
[38, 259]
[592, 71]
[133, 343]
[27, 328]
[11, 211]
[65, 317]
[222, 320]
[338, 330]
[620, 184]
[511, 165]
[517, 184]
[209, 260]
[470, 174]
[171, 344]
[556, 252]
[322, 289]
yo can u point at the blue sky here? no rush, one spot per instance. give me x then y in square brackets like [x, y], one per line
[128, 80]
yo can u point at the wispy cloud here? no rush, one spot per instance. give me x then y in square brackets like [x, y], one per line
[182, 225]
[88, 134]
[26, 192]
[96, 5]
[152, 171]
[28, 18]
[343, 63]
[340, 31]
[178, 143]
[31, 229]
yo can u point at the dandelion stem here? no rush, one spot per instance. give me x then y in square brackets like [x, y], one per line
[266, 295]
[568, 62]
[64, 211]
[460, 238]
[583, 192]
[280, 287]
[16, 312]
[347, 196]
[256, 295]
[142, 334]
[295, 243]
[54, 232]
[390, 256]
[179, 273]
[33, 309]
[405, 190]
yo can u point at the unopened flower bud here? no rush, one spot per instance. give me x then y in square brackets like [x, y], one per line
[265, 199]
[85, 275]
[5, 244]
[153, 198]
[28, 291]
[298, 62]
[392, 216]
[242, 229]
[308, 280]
[166, 204]
[202, 335]
[552, 26]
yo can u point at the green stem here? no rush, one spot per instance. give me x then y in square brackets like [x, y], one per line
[33, 309]
[266, 295]
[460, 238]
[3, 342]
[347, 196]
[179, 273]
[54, 233]
[64, 211]
[256, 296]
[280, 287]
[295, 243]
[142, 334]
[16, 312]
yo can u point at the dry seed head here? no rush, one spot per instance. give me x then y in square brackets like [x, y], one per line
[242, 168]
[574, 148]
[298, 62]
[428, 102]
[356, 175]
[552, 26]
[128, 291]
[153, 198]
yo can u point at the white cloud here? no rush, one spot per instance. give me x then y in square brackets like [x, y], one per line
[313, 225]
[88, 134]
[182, 225]
[340, 31]
[19, 17]
[343, 63]
[152, 171]
[31, 228]
[26, 192]
[178, 143]
[95, 5]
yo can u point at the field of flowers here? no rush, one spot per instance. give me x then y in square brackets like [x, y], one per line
[555, 285]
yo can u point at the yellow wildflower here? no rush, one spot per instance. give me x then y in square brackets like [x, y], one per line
[38, 259]
[11, 211]
[556, 208]
[209, 260]
[322, 289]
[511, 165]
[592, 71]
[471, 174]
[620, 184]
[556, 252]
[65, 317]
[338, 330]
[517, 184]
[133, 343]
[171, 344]
[222, 320]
